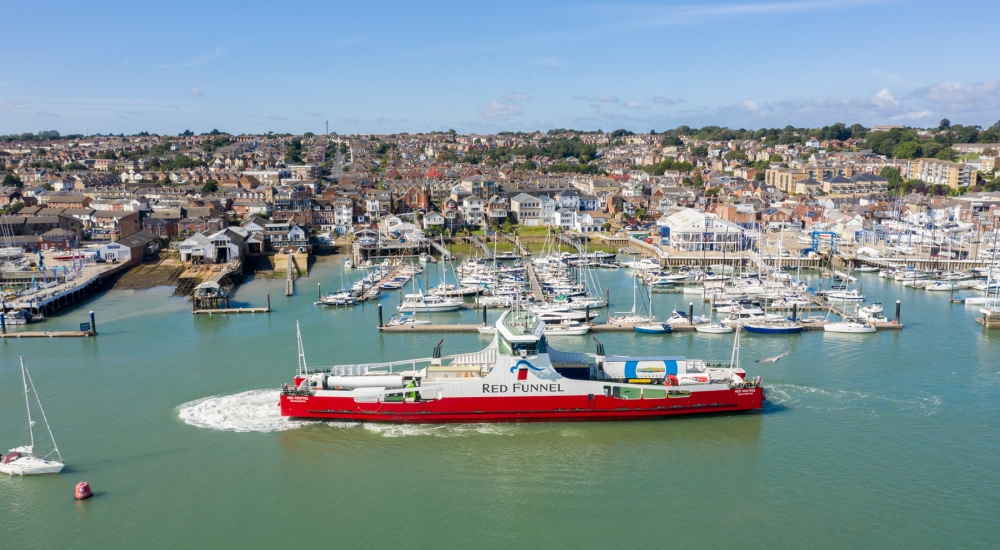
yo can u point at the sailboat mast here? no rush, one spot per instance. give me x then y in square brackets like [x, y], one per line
[27, 404]
[39, 400]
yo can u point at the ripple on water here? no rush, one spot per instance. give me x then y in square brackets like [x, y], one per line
[806, 397]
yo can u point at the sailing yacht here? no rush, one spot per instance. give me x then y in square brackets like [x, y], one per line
[23, 460]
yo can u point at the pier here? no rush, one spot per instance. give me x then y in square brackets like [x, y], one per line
[237, 310]
[517, 243]
[536, 288]
[479, 242]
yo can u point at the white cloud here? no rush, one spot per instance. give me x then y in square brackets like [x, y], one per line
[548, 63]
[639, 15]
[749, 105]
[195, 61]
[194, 90]
[606, 98]
[959, 98]
[637, 105]
[666, 100]
[884, 99]
[917, 115]
[517, 96]
[496, 111]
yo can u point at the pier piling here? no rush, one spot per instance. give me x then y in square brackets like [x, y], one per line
[319, 291]
[380, 316]
[607, 297]
[795, 312]
[897, 312]
[3, 324]
[484, 316]
[691, 313]
[93, 324]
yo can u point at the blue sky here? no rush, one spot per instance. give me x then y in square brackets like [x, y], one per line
[477, 67]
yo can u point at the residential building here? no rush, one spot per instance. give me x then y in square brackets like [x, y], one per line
[527, 210]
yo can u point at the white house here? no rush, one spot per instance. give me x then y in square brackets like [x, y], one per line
[589, 222]
[565, 218]
[692, 230]
[570, 198]
[548, 210]
[433, 219]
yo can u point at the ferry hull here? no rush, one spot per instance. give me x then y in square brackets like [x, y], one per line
[543, 408]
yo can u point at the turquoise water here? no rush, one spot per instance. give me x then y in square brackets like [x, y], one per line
[885, 440]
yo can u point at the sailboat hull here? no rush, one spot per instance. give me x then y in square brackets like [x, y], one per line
[26, 466]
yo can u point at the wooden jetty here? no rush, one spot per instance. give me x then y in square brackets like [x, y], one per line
[431, 328]
[232, 310]
[536, 288]
[48, 334]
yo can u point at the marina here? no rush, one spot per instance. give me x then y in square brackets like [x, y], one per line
[193, 416]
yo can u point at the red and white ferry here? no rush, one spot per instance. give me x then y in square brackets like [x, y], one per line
[519, 377]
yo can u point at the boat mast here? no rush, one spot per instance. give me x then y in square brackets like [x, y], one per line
[39, 400]
[27, 404]
[302, 367]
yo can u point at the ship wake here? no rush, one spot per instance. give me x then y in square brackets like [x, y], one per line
[251, 411]
[258, 411]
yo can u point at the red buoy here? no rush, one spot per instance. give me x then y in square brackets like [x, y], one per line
[83, 490]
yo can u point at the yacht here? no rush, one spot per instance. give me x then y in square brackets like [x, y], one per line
[555, 313]
[872, 313]
[942, 286]
[845, 296]
[406, 319]
[642, 265]
[567, 328]
[681, 318]
[423, 302]
[23, 461]
[340, 298]
[850, 327]
[714, 328]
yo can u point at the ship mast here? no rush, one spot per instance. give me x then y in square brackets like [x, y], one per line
[303, 369]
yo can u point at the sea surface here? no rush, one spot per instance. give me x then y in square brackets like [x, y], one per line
[889, 440]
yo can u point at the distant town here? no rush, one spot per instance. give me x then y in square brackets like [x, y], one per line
[216, 196]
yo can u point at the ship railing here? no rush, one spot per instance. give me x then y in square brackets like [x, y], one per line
[487, 356]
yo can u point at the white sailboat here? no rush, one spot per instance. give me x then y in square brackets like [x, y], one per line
[23, 461]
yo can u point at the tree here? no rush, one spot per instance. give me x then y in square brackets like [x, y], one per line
[946, 153]
[776, 158]
[945, 124]
[988, 152]
[698, 181]
[672, 141]
[606, 227]
[12, 180]
[892, 175]
[211, 186]
[907, 150]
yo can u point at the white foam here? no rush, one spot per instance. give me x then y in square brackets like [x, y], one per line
[437, 430]
[257, 411]
[251, 411]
